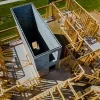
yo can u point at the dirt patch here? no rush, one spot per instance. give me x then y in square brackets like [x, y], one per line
[96, 15]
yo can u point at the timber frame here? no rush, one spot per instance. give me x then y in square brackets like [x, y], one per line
[81, 30]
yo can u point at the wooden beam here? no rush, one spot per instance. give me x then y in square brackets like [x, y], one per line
[52, 95]
[60, 93]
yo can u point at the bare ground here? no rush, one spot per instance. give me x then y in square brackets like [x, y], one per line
[96, 15]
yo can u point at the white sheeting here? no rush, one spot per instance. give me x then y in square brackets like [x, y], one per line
[28, 70]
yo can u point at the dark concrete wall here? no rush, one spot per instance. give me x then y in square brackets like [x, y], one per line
[27, 21]
[32, 28]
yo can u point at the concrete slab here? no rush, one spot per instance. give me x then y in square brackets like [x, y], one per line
[95, 46]
[29, 69]
[59, 75]
[55, 28]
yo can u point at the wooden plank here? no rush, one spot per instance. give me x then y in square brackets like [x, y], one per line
[52, 95]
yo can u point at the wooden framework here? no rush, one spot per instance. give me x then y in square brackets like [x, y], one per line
[79, 28]
[66, 90]
[70, 64]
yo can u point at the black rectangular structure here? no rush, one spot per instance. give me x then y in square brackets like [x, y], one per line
[33, 29]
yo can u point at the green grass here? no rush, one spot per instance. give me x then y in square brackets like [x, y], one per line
[60, 4]
[6, 19]
[90, 5]
[7, 34]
